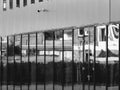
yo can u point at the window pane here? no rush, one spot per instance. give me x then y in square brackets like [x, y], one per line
[32, 1]
[40, 0]
[4, 5]
[11, 4]
[17, 3]
[24, 3]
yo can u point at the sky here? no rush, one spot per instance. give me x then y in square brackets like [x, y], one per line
[60, 13]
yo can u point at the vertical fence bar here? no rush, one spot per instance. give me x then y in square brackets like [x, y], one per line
[7, 60]
[83, 68]
[28, 61]
[53, 60]
[1, 64]
[106, 57]
[94, 65]
[73, 59]
[36, 58]
[14, 62]
[44, 61]
[63, 71]
[21, 62]
[119, 57]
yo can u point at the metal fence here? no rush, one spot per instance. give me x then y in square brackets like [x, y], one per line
[74, 58]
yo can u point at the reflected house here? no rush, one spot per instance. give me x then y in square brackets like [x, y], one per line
[44, 15]
[58, 45]
[3, 51]
[68, 42]
[78, 44]
[3, 48]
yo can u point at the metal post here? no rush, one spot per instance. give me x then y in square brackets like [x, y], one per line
[107, 57]
[36, 58]
[44, 61]
[63, 71]
[88, 60]
[119, 57]
[1, 65]
[53, 60]
[73, 59]
[21, 62]
[83, 67]
[14, 62]
[7, 59]
[29, 62]
[94, 65]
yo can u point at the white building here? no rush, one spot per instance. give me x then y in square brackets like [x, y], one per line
[18, 16]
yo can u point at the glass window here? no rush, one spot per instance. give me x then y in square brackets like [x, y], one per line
[32, 1]
[24, 3]
[11, 4]
[40, 0]
[4, 5]
[17, 3]
[49, 35]
[103, 34]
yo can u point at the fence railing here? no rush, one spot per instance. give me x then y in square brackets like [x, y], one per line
[74, 58]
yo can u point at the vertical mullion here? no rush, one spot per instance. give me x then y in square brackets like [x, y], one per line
[83, 68]
[53, 60]
[73, 59]
[36, 58]
[28, 61]
[119, 56]
[7, 59]
[44, 61]
[14, 61]
[63, 72]
[107, 57]
[1, 64]
[94, 65]
[21, 62]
